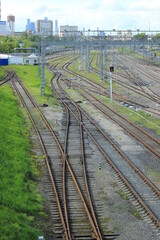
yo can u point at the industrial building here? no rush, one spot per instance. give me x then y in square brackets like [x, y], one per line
[68, 31]
[6, 59]
[44, 27]
[3, 59]
[10, 25]
[128, 34]
[3, 28]
[31, 60]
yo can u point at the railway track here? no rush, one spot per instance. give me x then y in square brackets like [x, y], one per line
[122, 164]
[127, 174]
[151, 143]
[74, 216]
[132, 72]
[116, 96]
[6, 79]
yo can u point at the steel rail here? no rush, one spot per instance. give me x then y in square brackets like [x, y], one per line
[64, 175]
[46, 160]
[139, 199]
[64, 159]
[154, 188]
[5, 80]
[124, 127]
[136, 126]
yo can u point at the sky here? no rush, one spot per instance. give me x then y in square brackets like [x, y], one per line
[88, 14]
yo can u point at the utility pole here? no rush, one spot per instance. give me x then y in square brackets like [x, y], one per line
[101, 62]
[81, 58]
[38, 69]
[111, 86]
[105, 61]
[87, 58]
[74, 57]
[43, 66]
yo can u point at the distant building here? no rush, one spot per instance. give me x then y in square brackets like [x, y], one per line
[30, 27]
[69, 31]
[119, 34]
[56, 28]
[101, 33]
[128, 34]
[44, 27]
[10, 25]
[3, 28]
[31, 60]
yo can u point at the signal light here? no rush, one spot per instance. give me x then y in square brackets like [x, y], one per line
[111, 69]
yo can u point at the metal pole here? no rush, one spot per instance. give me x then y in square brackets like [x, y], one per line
[74, 57]
[88, 59]
[111, 86]
[81, 58]
[42, 67]
[105, 61]
[38, 69]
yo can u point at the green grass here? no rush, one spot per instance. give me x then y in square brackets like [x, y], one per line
[20, 202]
[140, 117]
[28, 74]
[2, 73]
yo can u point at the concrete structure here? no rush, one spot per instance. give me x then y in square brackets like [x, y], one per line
[44, 27]
[10, 25]
[3, 28]
[68, 31]
[31, 60]
[30, 27]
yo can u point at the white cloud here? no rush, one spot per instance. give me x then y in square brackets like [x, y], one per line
[105, 14]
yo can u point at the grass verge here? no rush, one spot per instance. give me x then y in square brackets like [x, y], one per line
[2, 73]
[28, 74]
[20, 202]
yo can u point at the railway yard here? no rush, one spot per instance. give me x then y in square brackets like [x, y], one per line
[101, 159]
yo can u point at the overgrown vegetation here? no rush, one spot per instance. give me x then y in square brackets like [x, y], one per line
[2, 73]
[19, 201]
[8, 43]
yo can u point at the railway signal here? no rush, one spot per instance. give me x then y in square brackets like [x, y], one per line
[111, 69]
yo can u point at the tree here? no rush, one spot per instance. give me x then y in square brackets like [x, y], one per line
[140, 37]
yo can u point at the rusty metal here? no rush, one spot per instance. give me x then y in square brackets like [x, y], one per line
[152, 216]
[47, 161]
[67, 163]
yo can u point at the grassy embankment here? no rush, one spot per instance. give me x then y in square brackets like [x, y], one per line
[28, 74]
[19, 201]
[2, 73]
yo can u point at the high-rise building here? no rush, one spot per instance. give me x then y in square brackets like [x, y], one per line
[30, 27]
[44, 27]
[10, 24]
[56, 27]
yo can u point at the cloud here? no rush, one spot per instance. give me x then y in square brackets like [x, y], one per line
[105, 14]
